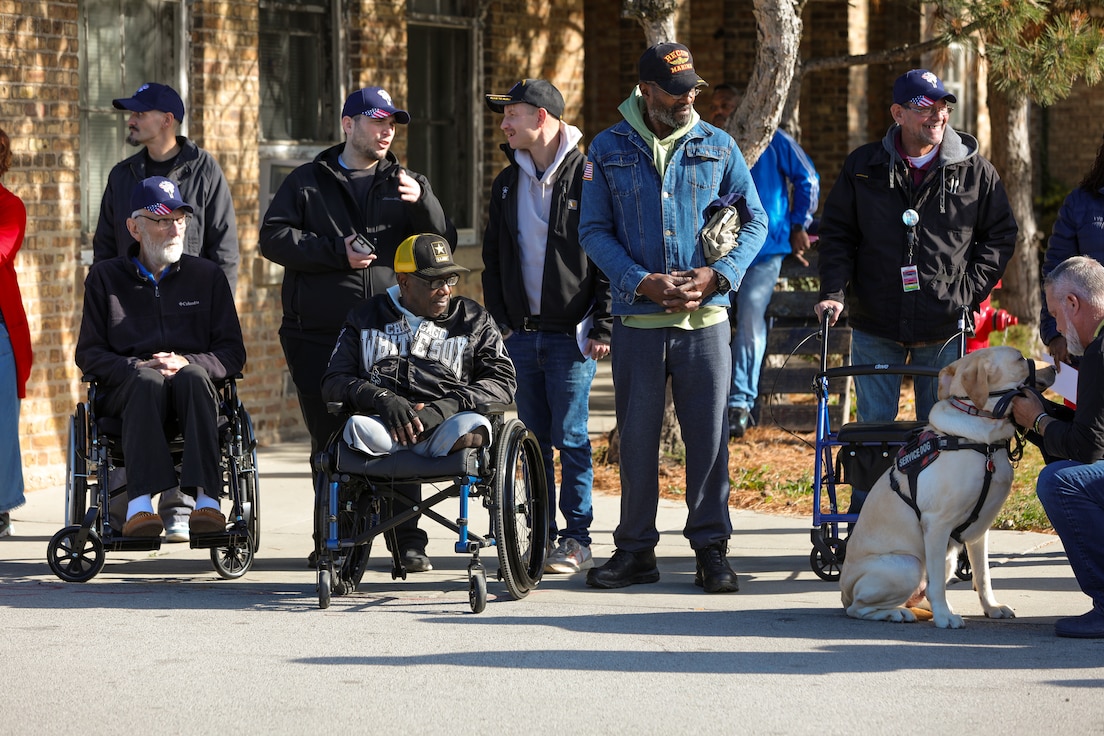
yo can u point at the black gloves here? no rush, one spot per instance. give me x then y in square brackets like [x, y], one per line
[395, 411]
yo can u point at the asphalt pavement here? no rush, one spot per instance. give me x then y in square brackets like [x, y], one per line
[157, 642]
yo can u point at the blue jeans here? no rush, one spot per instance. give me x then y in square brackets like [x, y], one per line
[1073, 495]
[750, 341]
[698, 362]
[877, 397]
[11, 463]
[553, 400]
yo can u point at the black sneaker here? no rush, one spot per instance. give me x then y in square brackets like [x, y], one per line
[714, 574]
[415, 560]
[738, 420]
[623, 569]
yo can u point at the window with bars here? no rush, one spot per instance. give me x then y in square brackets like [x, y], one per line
[123, 44]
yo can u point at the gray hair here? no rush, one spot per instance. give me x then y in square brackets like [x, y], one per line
[1081, 276]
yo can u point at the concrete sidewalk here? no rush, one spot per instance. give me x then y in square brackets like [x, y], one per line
[130, 651]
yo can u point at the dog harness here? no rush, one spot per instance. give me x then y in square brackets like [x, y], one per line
[921, 451]
[926, 445]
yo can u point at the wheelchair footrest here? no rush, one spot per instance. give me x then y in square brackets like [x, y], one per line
[133, 544]
[217, 539]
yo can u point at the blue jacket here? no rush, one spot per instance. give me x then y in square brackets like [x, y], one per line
[783, 163]
[632, 224]
[1078, 231]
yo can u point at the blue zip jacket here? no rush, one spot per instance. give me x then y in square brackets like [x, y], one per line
[1078, 231]
[785, 161]
[632, 224]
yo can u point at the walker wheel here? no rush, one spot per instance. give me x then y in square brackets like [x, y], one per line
[827, 567]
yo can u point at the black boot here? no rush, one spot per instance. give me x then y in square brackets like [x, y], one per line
[625, 568]
[714, 574]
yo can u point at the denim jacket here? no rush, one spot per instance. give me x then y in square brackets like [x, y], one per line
[632, 224]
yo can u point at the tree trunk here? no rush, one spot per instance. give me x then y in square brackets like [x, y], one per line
[1012, 158]
[779, 29]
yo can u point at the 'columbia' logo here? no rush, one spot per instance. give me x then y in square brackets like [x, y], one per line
[194, 303]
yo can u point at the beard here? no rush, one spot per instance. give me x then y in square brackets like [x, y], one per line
[1073, 343]
[167, 253]
[672, 117]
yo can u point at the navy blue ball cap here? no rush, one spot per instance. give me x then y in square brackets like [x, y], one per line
[153, 96]
[373, 102]
[921, 88]
[158, 195]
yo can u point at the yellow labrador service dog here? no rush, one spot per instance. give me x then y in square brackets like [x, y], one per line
[945, 489]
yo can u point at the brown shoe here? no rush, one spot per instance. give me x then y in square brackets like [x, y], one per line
[143, 524]
[206, 521]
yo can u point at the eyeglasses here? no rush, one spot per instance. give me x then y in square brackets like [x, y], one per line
[691, 93]
[438, 284]
[927, 112]
[168, 222]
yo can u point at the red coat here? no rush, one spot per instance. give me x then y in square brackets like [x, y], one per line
[13, 225]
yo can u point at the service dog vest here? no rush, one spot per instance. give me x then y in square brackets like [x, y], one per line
[921, 451]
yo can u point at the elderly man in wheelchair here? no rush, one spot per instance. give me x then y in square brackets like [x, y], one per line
[425, 379]
[159, 330]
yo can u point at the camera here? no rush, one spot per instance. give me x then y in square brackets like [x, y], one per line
[361, 244]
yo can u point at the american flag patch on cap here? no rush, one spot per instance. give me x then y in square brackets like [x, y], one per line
[588, 171]
[159, 208]
[376, 113]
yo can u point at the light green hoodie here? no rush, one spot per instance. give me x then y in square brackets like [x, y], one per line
[632, 110]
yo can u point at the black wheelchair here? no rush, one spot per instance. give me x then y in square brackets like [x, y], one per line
[77, 552]
[357, 499]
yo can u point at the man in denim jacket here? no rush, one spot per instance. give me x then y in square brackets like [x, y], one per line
[649, 181]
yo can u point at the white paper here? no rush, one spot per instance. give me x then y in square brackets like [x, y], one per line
[582, 333]
[1065, 383]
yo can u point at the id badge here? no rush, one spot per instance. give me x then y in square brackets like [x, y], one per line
[910, 279]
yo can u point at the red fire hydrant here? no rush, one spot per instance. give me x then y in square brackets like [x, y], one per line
[988, 321]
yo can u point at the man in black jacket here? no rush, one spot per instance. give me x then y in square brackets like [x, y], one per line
[159, 327]
[549, 299]
[1071, 486]
[917, 227]
[156, 112]
[335, 225]
[415, 361]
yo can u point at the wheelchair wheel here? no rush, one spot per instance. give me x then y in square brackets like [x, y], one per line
[828, 566]
[76, 467]
[520, 503]
[477, 590]
[250, 482]
[325, 580]
[233, 560]
[73, 560]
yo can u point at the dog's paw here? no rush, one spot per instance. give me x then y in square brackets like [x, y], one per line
[948, 620]
[1000, 612]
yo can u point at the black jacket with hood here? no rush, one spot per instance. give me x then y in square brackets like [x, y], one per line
[964, 239]
[305, 227]
[572, 283]
[213, 231]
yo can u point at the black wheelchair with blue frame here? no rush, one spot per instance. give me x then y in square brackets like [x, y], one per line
[77, 552]
[358, 498]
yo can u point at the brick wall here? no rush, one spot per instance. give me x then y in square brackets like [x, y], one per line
[1068, 161]
[39, 110]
